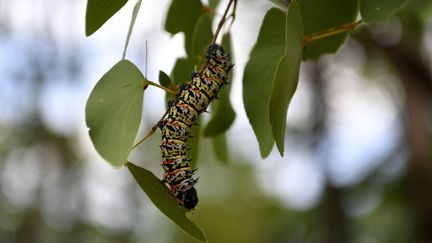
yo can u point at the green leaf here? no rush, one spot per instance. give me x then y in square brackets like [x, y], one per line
[287, 75]
[378, 10]
[220, 146]
[260, 71]
[131, 25]
[322, 15]
[202, 37]
[182, 17]
[182, 70]
[113, 111]
[99, 11]
[213, 4]
[164, 79]
[281, 3]
[166, 203]
[223, 114]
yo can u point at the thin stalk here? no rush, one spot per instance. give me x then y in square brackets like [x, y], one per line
[329, 32]
[222, 21]
[147, 82]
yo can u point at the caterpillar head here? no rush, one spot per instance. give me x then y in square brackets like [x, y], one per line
[215, 51]
[190, 198]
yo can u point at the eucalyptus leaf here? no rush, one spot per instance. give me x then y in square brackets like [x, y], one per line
[182, 70]
[259, 74]
[287, 75]
[182, 17]
[166, 203]
[281, 3]
[378, 10]
[201, 38]
[131, 25]
[213, 3]
[99, 11]
[220, 147]
[323, 15]
[164, 79]
[113, 111]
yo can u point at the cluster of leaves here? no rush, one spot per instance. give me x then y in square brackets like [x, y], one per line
[282, 43]
[114, 108]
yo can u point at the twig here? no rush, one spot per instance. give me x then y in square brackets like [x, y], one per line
[222, 21]
[147, 82]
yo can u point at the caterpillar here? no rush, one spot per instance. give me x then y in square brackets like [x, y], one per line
[193, 99]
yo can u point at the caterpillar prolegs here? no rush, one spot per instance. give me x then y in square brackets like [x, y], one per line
[193, 99]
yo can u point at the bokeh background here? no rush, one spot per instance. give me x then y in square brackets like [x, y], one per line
[358, 160]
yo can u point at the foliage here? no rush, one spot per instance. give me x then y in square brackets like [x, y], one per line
[304, 29]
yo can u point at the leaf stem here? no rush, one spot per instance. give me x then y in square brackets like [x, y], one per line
[224, 18]
[329, 32]
[148, 82]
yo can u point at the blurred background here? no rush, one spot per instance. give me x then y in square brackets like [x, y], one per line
[358, 160]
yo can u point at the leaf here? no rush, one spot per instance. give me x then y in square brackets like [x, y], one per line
[281, 3]
[223, 114]
[378, 10]
[99, 11]
[260, 71]
[220, 146]
[287, 75]
[164, 79]
[182, 70]
[166, 203]
[182, 17]
[322, 15]
[131, 25]
[213, 4]
[113, 111]
[202, 36]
